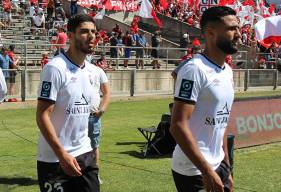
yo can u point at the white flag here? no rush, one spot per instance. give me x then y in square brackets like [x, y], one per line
[268, 30]
[145, 9]
[100, 14]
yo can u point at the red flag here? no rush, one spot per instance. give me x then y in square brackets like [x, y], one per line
[156, 19]
[271, 9]
[164, 4]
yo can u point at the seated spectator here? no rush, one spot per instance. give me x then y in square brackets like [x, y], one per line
[44, 59]
[38, 21]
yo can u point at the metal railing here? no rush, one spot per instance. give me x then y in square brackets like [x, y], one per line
[148, 82]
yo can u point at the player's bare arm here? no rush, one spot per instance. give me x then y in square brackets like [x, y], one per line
[67, 162]
[184, 138]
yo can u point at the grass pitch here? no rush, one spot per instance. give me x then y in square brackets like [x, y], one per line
[256, 169]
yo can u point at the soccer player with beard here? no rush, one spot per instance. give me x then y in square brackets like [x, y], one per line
[203, 98]
[65, 160]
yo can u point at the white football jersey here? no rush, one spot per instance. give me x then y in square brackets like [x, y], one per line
[99, 78]
[210, 88]
[71, 89]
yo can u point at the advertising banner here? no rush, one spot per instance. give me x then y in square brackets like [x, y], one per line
[255, 122]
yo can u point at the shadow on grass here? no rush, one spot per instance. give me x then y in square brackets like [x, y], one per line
[22, 181]
[139, 144]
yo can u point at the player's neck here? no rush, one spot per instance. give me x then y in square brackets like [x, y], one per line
[215, 56]
[76, 56]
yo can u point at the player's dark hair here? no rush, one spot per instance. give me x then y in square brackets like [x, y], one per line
[214, 15]
[76, 20]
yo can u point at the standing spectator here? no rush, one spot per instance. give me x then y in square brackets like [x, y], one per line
[117, 29]
[204, 94]
[98, 108]
[3, 86]
[65, 160]
[59, 13]
[128, 42]
[140, 46]
[184, 42]
[113, 50]
[5, 62]
[50, 9]
[156, 39]
[61, 40]
[7, 6]
[73, 7]
[32, 9]
[12, 74]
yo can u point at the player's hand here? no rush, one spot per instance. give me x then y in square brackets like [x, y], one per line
[69, 165]
[213, 182]
[98, 114]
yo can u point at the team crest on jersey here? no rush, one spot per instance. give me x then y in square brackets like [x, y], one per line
[186, 88]
[46, 89]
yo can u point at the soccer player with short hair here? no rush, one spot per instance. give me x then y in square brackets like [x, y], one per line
[203, 98]
[65, 160]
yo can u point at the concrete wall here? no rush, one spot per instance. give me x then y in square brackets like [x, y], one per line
[150, 82]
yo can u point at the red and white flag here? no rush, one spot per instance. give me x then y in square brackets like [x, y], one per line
[268, 30]
[147, 11]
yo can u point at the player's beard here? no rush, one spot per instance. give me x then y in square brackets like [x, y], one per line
[83, 46]
[227, 46]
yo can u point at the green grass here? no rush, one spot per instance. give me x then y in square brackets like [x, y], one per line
[123, 169]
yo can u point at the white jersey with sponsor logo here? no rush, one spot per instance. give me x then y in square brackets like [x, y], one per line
[71, 89]
[99, 78]
[210, 88]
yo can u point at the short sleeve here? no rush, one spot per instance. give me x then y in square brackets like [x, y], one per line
[103, 77]
[50, 83]
[190, 81]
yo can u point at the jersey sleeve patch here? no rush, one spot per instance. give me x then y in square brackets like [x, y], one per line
[46, 89]
[186, 88]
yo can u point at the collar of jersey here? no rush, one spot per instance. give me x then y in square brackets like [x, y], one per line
[81, 67]
[220, 67]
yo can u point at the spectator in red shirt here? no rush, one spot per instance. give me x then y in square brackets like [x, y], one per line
[101, 62]
[61, 40]
[7, 6]
[117, 29]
